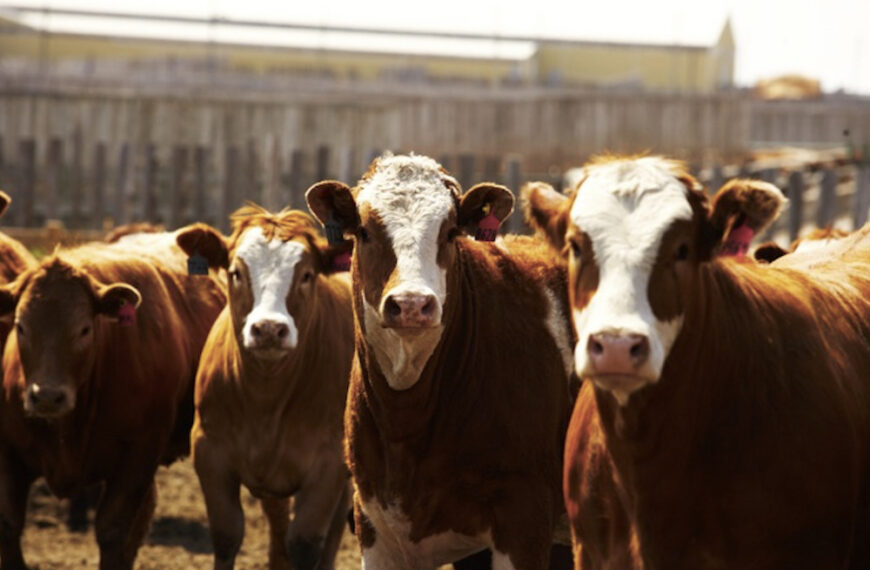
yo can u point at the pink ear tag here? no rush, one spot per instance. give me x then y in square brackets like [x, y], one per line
[126, 315]
[341, 262]
[487, 228]
[737, 243]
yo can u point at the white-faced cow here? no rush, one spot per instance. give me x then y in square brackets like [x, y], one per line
[271, 387]
[458, 399]
[725, 422]
[98, 383]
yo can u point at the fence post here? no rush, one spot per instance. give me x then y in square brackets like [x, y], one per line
[717, 179]
[52, 177]
[76, 179]
[177, 198]
[149, 210]
[466, 170]
[345, 165]
[122, 182]
[861, 199]
[513, 180]
[26, 182]
[272, 173]
[446, 162]
[200, 184]
[229, 200]
[796, 204]
[491, 167]
[322, 167]
[99, 185]
[827, 198]
[298, 182]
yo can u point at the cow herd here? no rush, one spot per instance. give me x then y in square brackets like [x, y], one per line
[626, 387]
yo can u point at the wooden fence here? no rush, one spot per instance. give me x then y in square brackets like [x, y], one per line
[83, 157]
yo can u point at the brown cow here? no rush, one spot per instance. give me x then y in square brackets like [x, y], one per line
[15, 259]
[271, 387]
[94, 391]
[458, 398]
[730, 400]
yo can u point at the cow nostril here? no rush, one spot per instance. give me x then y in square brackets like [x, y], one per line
[282, 331]
[429, 308]
[392, 309]
[639, 351]
[57, 398]
[595, 348]
[255, 330]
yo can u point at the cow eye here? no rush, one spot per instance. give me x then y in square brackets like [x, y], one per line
[307, 277]
[575, 249]
[363, 235]
[235, 275]
[19, 329]
[85, 330]
[682, 253]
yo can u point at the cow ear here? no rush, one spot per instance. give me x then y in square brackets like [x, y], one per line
[743, 202]
[331, 199]
[9, 294]
[769, 252]
[110, 298]
[546, 211]
[472, 205]
[5, 200]
[206, 241]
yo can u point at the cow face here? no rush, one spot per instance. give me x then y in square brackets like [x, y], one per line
[635, 232]
[405, 216]
[273, 262]
[55, 308]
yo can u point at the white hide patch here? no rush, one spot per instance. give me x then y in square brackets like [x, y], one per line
[409, 196]
[625, 207]
[393, 548]
[271, 264]
[557, 329]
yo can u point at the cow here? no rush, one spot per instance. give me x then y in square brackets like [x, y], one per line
[818, 238]
[98, 383]
[459, 393]
[271, 386]
[15, 259]
[726, 403]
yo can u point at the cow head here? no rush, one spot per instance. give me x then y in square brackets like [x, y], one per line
[55, 308]
[636, 232]
[273, 262]
[405, 216]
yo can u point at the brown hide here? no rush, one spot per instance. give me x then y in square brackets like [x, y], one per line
[476, 443]
[133, 402]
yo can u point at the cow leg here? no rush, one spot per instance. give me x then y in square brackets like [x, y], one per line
[336, 529]
[123, 518]
[15, 481]
[315, 508]
[220, 487]
[523, 533]
[277, 511]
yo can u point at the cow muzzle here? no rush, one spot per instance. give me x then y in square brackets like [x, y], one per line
[48, 401]
[411, 310]
[270, 335]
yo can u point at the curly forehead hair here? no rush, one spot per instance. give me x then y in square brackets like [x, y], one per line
[284, 225]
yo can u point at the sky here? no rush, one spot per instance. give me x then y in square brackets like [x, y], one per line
[827, 40]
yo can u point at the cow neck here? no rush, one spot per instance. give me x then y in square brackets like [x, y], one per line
[411, 414]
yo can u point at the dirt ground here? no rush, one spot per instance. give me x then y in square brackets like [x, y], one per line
[179, 531]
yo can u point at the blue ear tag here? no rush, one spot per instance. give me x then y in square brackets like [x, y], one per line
[335, 237]
[197, 264]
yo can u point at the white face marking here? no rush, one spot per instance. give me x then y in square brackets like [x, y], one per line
[409, 195]
[393, 548]
[625, 207]
[271, 264]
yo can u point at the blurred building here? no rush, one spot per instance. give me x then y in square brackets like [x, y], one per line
[504, 60]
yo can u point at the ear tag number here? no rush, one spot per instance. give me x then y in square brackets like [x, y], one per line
[335, 238]
[737, 243]
[126, 315]
[487, 228]
[197, 264]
